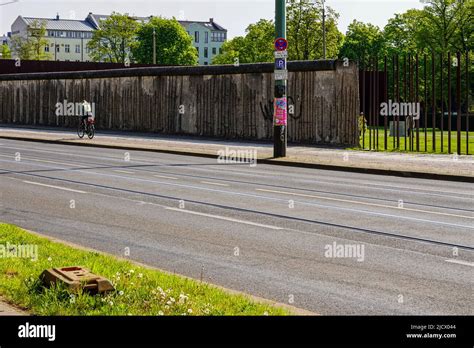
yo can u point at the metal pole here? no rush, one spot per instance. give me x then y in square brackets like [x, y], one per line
[279, 131]
[154, 46]
[324, 29]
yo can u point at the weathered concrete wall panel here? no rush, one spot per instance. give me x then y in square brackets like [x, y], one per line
[225, 102]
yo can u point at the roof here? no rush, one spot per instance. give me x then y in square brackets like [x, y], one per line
[62, 24]
[210, 24]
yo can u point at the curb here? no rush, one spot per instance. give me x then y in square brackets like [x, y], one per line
[270, 161]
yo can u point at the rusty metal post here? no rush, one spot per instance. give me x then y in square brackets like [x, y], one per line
[458, 100]
[433, 100]
[386, 101]
[449, 102]
[417, 101]
[441, 66]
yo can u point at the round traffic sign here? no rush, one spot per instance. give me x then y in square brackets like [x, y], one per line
[281, 44]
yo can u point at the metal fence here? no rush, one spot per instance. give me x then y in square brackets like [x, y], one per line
[416, 102]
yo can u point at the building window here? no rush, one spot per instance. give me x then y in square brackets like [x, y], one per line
[78, 48]
[214, 51]
[46, 48]
[67, 48]
[218, 36]
[197, 49]
[196, 36]
[206, 37]
[206, 52]
[206, 63]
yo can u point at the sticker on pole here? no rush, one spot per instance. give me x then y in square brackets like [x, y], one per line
[281, 44]
[281, 75]
[280, 112]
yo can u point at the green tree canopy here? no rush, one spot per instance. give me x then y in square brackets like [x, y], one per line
[5, 50]
[305, 31]
[173, 44]
[255, 47]
[304, 34]
[362, 41]
[32, 47]
[115, 39]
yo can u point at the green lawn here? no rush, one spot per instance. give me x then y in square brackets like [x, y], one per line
[428, 141]
[139, 290]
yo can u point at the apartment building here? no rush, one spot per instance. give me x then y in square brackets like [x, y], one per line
[68, 38]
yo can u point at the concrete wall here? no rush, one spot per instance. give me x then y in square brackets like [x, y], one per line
[219, 101]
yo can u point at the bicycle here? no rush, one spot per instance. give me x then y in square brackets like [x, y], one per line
[87, 127]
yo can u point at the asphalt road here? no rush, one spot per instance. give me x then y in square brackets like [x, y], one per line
[264, 230]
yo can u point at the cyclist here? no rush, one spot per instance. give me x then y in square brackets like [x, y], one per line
[87, 113]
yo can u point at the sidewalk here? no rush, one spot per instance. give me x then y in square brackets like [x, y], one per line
[6, 309]
[447, 167]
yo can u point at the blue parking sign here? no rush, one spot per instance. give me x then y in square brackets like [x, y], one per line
[280, 64]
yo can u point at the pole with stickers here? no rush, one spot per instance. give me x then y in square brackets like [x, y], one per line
[280, 108]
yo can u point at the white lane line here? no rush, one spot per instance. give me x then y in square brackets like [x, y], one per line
[225, 218]
[465, 263]
[52, 186]
[124, 171]
[165, 177]
[213, 183]
[364, 203]
[263, 197]
[45, 161]
[358, 182]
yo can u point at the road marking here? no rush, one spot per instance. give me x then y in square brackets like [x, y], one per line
[52, 186]
[124, 172]
[465, 263]
[365, 203]
[226, 218]
[258, 197]
[165, 177]
[213, 183]
[45, 161]
[360, 182]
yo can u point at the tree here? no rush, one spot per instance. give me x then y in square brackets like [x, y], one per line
[404, 34]
[174, 45]
[255, 47]
[5, 50]
[32, 47]
[304, 34]
[445, 22]
[305, 30]
[362, 42]
[115, 39]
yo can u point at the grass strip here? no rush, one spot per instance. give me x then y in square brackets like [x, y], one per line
[139, 290]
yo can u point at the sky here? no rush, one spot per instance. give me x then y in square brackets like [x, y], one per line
[234, 15]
